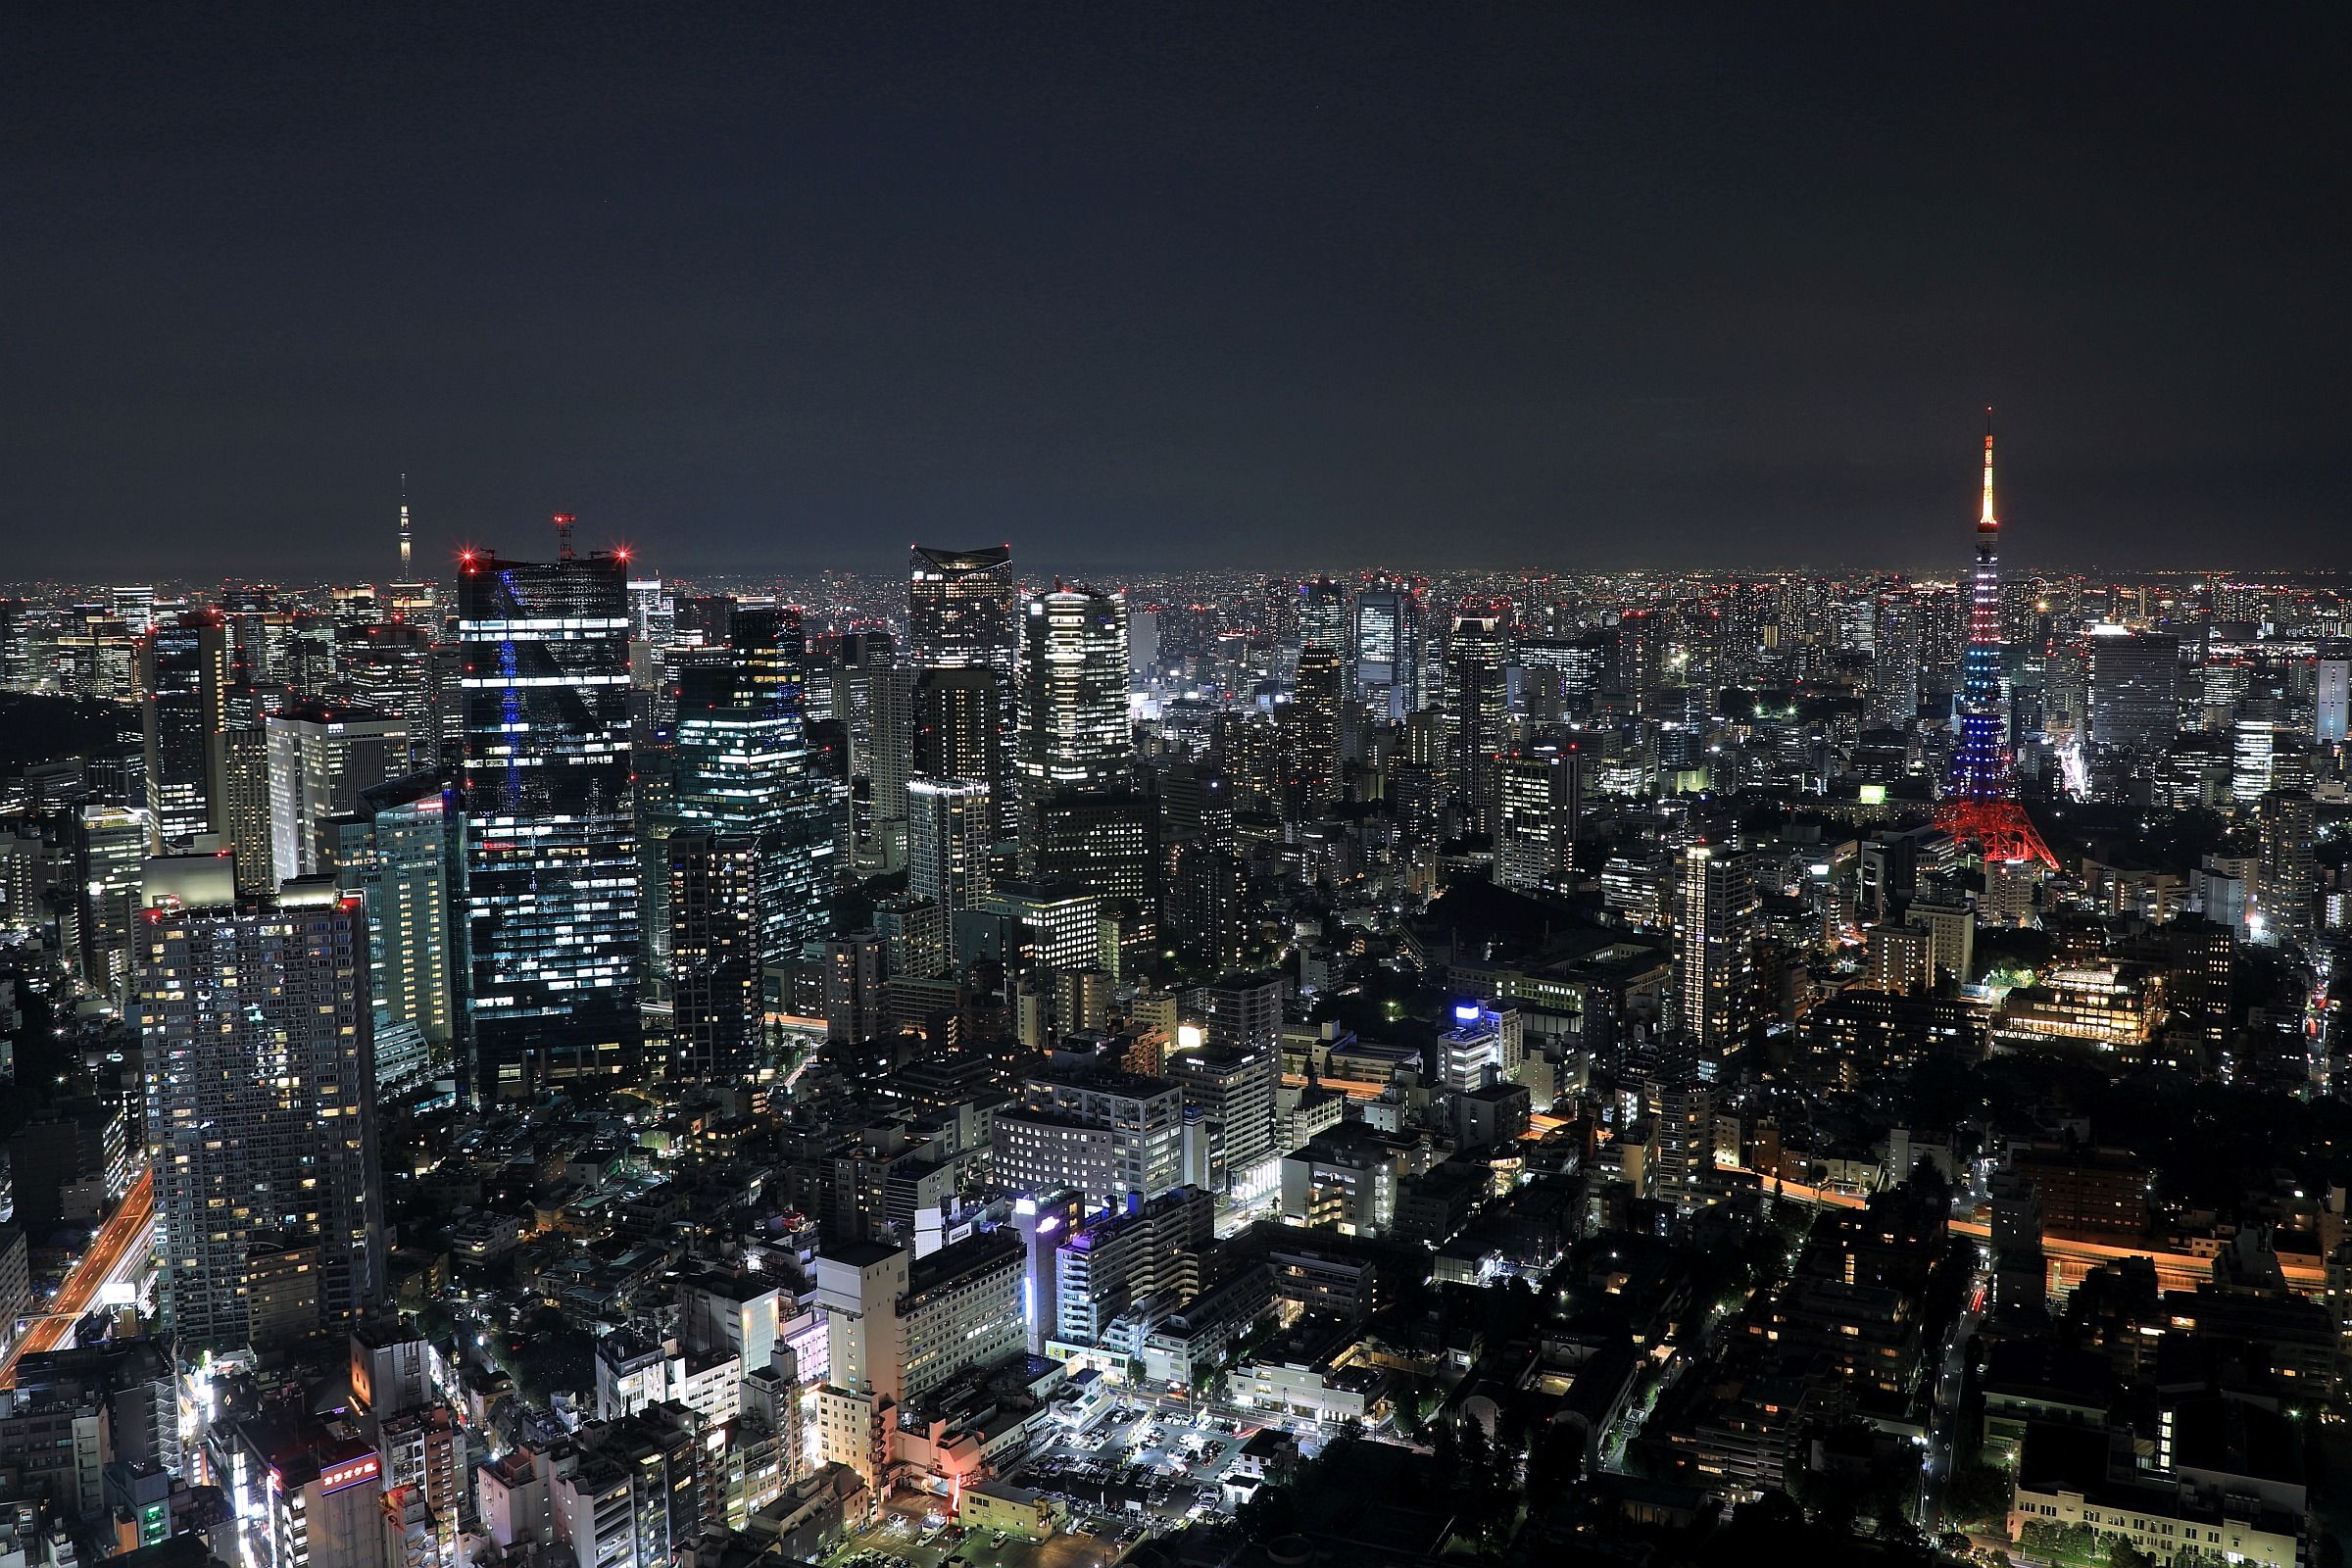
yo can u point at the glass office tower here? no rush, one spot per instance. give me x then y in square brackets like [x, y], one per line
[550, 858]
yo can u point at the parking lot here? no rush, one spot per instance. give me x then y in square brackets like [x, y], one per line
[906, 1538]
[1153, 1466]
[1139, 1473]
[912, 1533]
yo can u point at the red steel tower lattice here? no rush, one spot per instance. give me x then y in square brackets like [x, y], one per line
[1980, 803]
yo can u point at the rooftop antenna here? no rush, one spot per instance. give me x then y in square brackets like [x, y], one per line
[563, 523]
[1986, 518]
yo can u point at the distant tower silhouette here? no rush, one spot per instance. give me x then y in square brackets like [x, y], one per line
[1980, 794]
[404, 528]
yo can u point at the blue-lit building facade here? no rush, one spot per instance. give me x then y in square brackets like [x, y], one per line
[551, 864]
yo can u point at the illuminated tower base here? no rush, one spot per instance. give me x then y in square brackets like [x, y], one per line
[2002, 827]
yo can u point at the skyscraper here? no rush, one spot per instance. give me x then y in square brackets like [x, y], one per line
[960, 607]
[1979, 795]
[261, 1106]
[552, 879]
[948, 834]
[135, 607]
[854, 976]
[245, 805]
[1475, 703]
[962, 610]
[1386, 651]
[714, 967]
[959, 732]
[2134, 690]
[320, 760]
[1894, 672]
[1074, 730]
[874, 698]
[396, 852]
[1539, 795]
[111, 842]
[1323, 615]
[742, 766]
[1105, 840]
[1714, 929]
[2289, 873]
[184, 683]
[1311, 729]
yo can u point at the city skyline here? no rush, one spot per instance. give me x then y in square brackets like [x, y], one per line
[1175, 786]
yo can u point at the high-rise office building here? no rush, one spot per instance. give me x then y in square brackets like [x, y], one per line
[963, 610]
[855, 966]
[1055, 925]
[1385, 653]
[2290, 873]
[1639, 658]
[1074, 731]
[398, 852]
[1231, 1084]
[715, 933]
[111, 843]
[135, 607]
[1895, 670]
[1104, 1133]
[949, 828]
[1106, 841]
[1560, 677]
[260, 1103]
[869, 693]
[320, 760]
[890, 720]
[957, 730]
[1142, 648]
[742, 766]
[1310, 726]
[2332, 701]
[1476, 704]
[1208, 904]
[2253, 757]
[183, 685]
[1538, 798]
[2135, 691]
[1323, 615]
[552, 872]
[245, 805]
[857, 657]
[960, 607]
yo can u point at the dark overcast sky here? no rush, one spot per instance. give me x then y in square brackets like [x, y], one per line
[1143, 284]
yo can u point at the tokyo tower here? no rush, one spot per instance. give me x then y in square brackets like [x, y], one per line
[1980, 794]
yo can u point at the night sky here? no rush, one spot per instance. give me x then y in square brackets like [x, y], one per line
[1281, 285]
